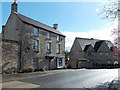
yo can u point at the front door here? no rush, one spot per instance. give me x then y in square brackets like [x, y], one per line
[51, 63]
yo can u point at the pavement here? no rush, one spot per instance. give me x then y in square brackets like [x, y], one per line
[19, 76]
[62, 78]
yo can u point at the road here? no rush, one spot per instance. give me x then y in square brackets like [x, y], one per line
[74, 78]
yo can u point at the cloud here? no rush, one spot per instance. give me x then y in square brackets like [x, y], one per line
[104, 34]
[97, 10]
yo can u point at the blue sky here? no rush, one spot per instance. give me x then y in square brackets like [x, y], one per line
[78, 16]
[71, 16]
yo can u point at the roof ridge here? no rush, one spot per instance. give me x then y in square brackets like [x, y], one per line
[34, 20]
[86, 38]
[37, 23]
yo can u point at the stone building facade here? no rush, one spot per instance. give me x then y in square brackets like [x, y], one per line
[37, 44]
[10, 55]
[92, 53]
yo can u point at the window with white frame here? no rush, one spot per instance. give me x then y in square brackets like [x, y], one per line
[58, 48]
[59, 62]
[35, 45]
[48, 47]
[48, 35]
[36, 32]
[58, 38]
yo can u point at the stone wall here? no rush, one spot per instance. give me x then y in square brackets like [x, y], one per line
[10, 55]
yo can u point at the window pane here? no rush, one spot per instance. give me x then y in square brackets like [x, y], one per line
[58, 48]
[35, 63]
[48, 46]
[35, 45]
[48, 35]
[35, 31]
[60, 63]
[58, 38]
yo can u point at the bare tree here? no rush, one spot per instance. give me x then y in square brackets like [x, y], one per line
[111, 11]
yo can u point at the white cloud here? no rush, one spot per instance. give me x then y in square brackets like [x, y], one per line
[97, 10]
[104, 34]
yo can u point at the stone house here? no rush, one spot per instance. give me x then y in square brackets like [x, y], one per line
[37, 44]
[92, 53]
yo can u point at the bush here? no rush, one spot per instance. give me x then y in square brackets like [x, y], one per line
[64, 67]
[31, 69]
[28, 69]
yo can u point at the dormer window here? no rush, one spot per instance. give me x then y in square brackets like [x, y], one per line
[36, 32]
[58, 38]
[48, 35]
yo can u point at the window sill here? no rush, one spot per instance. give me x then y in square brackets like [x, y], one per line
[36, 51]
[48, 52]
[36, 35]
[57, 41]
[58, 53]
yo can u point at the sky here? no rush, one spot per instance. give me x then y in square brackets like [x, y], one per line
[75, 19]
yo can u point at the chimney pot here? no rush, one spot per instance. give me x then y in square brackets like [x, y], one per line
[14, 7]
[55, 26]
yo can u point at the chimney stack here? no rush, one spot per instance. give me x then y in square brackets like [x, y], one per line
[3, 28]
[14, 7]
[55, 26]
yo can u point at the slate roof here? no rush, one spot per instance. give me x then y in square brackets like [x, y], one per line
[86, 42]
[37, 24]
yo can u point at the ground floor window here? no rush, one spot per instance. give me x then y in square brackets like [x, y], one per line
[35, 63]
[59, 62]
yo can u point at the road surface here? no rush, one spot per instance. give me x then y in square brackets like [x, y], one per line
[74, 78]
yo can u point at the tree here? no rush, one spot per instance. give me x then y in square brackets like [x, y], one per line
[111, 12]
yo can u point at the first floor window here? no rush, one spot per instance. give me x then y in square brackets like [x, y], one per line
[58, 38]
[58, 48]
[48, 47]
[48, 35]
[35, 45]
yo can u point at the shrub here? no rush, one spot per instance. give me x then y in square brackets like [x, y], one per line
[31, 69]
[28, 69]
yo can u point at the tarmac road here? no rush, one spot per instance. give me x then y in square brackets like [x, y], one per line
[73, 78]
